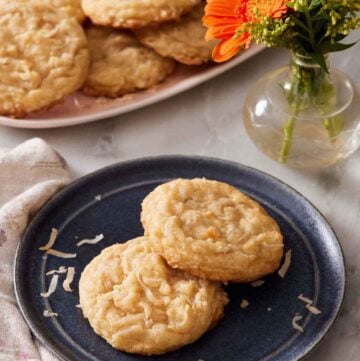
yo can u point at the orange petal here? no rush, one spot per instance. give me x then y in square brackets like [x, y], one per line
[211, 20]
[226, 49]
[222, 30]
[278, 13]
[221, 7]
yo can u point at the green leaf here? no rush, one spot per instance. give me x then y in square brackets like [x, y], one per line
[320, 16]
[314, 4]
[299, 23]
[329, 47]
[320, 59]
[340, 37]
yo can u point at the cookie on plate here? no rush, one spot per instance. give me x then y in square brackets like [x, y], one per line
[43, 56]
[183, 40]
[211, 230]
[135, 13]
[138, 304]
[120, 64]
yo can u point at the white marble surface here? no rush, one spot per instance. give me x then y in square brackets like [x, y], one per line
[207, 120]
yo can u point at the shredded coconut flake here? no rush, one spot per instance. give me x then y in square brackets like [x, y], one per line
[52, 287]
[95, 240]
[313, 309]
[149, 293]
[305, 299]
[61, 269]
[52, 239]
[244, 303]
[78, 104]
[268, 309]
[257, 283]
[296, 318]
[48, 313]
[98, 197]
[284, 268]
[60, 254]
[69, 278]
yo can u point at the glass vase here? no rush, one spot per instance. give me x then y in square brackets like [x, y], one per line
[304, 116]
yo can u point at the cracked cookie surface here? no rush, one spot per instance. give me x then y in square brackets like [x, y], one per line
[121, 65]
[212, 230]
[71, 7]
[183, 40]
[138, 304]
[135, 13]
[43, 57]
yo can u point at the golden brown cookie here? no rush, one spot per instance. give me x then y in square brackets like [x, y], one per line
[43, 56]
[211, 230]
[71, 7]
[135, 13]
[121, 65]
[183, 40]
[138, 304]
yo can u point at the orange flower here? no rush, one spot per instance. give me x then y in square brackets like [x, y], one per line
[225, 17]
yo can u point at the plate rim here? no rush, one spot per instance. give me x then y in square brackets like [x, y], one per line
[178, 88]
[53, 348]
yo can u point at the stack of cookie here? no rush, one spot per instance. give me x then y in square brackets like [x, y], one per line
[48, 50]
[161, 291]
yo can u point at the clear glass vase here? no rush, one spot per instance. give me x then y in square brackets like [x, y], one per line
[303, 116]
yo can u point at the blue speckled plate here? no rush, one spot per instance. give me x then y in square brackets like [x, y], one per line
[262, 331]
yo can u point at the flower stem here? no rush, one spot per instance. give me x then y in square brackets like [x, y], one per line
[287, 140]
[334, 126]
[310, 28]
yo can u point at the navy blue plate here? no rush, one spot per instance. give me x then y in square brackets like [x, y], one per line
[262, 331]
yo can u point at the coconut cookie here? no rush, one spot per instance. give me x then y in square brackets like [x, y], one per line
[211, 230]
[71, 7]
[121, 65]
[138, 304]
[183, 40]
[43, 56]
[135, 13]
